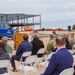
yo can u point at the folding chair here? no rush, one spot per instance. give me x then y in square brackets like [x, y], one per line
[73, 58]
[46, 62]
[5, 64]
[41, 59]
[71, 51]
[32, 67]
[68, 71]
[25, 54]
[50, 55]
[40, 52]
[73, 47]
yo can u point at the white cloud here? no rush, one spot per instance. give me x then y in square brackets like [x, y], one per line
[52, 11]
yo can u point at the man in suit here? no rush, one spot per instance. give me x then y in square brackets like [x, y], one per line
[60, 60]
[23, 47]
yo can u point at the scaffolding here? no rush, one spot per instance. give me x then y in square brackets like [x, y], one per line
[16, 20]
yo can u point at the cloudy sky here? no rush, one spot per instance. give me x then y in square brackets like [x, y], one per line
[54, 13]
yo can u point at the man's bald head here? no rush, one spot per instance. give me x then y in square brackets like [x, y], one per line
[60, 40]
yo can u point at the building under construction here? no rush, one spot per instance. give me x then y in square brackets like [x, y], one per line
[22, 20]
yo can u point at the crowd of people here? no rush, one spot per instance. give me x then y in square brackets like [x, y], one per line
[60, 60]
[60, 44]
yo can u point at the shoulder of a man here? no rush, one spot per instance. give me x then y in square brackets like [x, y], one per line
[55, 58]
[41, 41]
[56, 55]
[23, 42]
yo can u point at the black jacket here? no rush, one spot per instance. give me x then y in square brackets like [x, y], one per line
[68, 45]
[37, 44]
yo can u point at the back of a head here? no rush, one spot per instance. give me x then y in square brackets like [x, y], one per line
[17, 30]
[2, 45]
[25, 37]
[4, 39]
[60, 40]
[66, 36]
[51, 36]
[35, 36]
[0, 37]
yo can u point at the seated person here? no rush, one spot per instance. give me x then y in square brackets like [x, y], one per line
[68, 45]
[37, 44]
[3, 55]
[72, 41]
[51, 45]
[60, 60]
[23, 47]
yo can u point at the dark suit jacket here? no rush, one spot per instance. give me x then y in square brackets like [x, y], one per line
[23, 47]
[59, 61]
[37, 44]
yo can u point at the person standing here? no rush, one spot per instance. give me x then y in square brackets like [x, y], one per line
[54, 32]
[14, 36]
[60, 60]
[23, 47]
